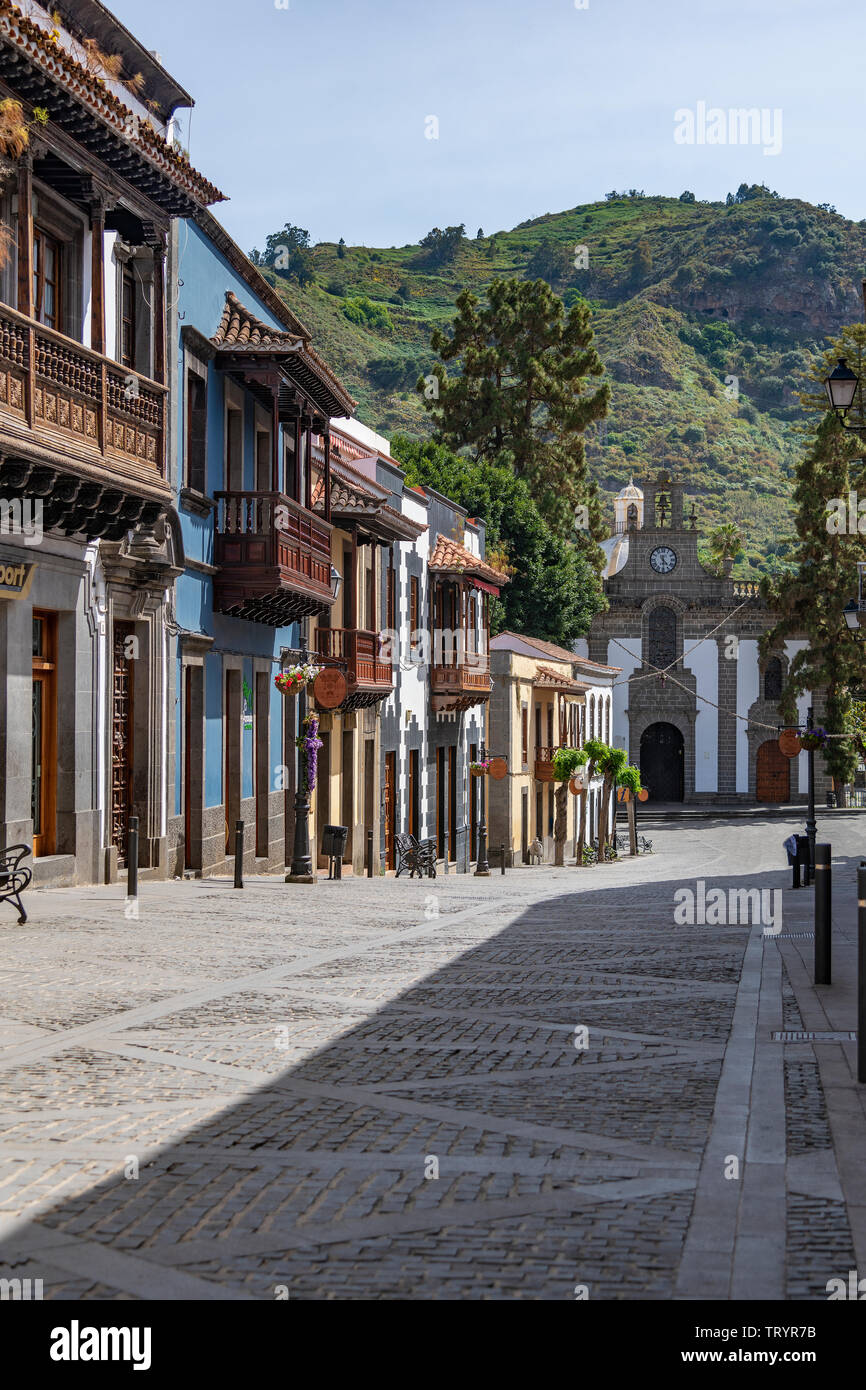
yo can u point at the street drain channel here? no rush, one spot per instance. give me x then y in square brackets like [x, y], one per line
[794, 1035]
[794, 935]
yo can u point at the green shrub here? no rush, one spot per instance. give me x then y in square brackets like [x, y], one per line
[367, 314]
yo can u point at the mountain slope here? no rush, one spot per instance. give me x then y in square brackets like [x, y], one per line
[705, 316]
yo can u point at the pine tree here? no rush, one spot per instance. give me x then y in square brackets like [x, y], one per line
[554, 591]
[523, 396]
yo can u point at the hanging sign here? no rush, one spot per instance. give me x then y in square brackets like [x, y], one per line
[789, 743]
[643, 794]
[623, 794]
[330, 687]
[497, 769]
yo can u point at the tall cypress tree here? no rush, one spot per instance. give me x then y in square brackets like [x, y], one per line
[811, 601]
[524, 394]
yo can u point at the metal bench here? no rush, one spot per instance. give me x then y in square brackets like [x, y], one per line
[14, 877]
[418, 856]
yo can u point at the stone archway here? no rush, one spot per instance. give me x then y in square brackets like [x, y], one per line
[662, 762]
[772, 773]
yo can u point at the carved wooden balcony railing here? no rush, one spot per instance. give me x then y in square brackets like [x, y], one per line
[461, 682]
[544, 755]
[74, 406]
[369, 677]
[273, 557]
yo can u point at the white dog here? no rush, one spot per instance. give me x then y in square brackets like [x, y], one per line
[536, 852]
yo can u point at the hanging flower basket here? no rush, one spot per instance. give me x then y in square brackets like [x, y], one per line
[814, 739]
[294, 678]
[478, 769]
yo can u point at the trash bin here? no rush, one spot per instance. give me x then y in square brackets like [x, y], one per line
[797, 847]
[334, 839]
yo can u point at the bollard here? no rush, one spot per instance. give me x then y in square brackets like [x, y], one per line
[239, 854]
[823, 895]
[502, 852]
[861, 972]
[369, 854]
[132, 858]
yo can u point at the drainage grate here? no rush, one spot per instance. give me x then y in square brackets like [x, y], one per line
[801, 1035]
[793, 935]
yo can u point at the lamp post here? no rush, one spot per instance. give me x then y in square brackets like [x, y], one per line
[811, 826]
[302, 862]
[482, 868]
[302, 870]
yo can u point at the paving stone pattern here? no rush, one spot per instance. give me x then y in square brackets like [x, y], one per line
[371, 1089]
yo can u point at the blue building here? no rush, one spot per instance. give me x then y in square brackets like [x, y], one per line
[250, 398]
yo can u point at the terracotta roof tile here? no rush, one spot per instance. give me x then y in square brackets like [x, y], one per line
[545, 676]
[448, 554]
[239, 327]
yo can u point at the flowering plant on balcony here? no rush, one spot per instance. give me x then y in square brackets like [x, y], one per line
[309, 744]
[479, 767]
[814, 739]
[294, 678]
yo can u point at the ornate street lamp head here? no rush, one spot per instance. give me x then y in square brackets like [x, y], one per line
[841, 386]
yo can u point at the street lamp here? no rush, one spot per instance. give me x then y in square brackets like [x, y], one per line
[482, 868]
[841, 387]
[302, 864]
[336, 582]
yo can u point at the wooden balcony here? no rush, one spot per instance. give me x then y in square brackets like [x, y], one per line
[544, 756]
[460, 684]
[273, 557]
[80, 413]
[369, 677]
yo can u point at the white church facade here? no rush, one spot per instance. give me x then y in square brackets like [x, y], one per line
[696, 705]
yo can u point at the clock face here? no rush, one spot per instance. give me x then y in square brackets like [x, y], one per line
[663, 559]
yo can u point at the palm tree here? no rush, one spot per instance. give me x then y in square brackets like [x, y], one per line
[725, 543]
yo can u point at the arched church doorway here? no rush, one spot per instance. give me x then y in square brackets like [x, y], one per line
[773, 773]
[662, 762]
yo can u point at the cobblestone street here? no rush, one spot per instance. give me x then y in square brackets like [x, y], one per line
[376, 1089]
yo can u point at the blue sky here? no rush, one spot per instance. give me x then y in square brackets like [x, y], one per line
[316, 114]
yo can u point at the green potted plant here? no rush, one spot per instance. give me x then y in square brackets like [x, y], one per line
[566, 761]
[594, 750]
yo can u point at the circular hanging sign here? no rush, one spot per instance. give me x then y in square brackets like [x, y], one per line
[576, 786]
[789, 743]
[497, 769]
[643, 794]
[330, 688]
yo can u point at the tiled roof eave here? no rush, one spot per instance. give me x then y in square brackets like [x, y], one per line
[33, 45]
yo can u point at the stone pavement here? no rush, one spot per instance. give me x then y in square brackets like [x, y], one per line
[516, 1087]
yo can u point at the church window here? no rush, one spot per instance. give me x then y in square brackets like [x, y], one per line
[662, 634]
[773, 679]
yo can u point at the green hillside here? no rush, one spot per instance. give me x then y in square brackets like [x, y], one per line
[684, 294]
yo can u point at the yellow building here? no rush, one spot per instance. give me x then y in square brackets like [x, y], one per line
[544, 698]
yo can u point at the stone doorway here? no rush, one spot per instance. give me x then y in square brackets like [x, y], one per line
[662, 760]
